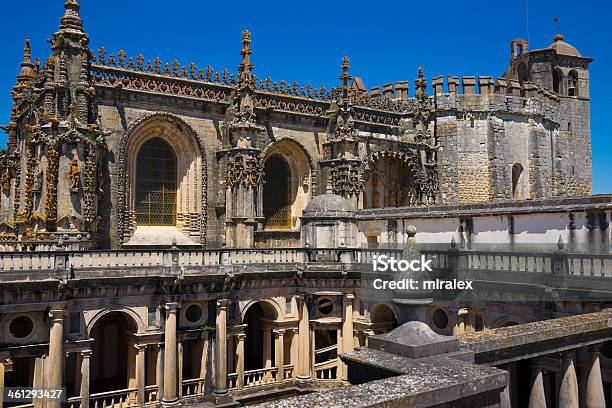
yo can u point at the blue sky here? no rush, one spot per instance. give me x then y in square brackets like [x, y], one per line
[304, 41]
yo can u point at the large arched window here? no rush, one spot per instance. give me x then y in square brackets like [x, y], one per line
[156, 184]
[277, 193]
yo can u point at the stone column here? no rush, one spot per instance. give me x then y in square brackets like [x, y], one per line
[303, 368]
[537, 395]
[230, 354]
[170, 356]
[78, 359]
[267, 337]
[240, 360]
[279, 353]
[204, 372]
[140, 373]
[56, 354]
[568, 390]
[159, 371]
[594, 385]
[180, 368]
[1, 383]
[221, 349]
[348, 341]
[39, 378]
[295, 347]
[85, 378]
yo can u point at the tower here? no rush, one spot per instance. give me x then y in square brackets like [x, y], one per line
[56, 142]
[561, 69]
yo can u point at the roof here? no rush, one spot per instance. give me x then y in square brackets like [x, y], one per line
[563, 48]
[328, 203]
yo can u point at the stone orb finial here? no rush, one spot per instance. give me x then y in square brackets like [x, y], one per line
[411, 230]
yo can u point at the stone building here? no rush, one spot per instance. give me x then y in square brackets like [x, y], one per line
[174, 234]
[119, 151]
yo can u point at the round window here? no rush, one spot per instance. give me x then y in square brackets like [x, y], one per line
[440, 318]
[21, 327]
[325, 306]
[193, 313]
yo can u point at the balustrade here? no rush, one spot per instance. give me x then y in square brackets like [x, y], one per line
[45, 265]
[262, 376]
[74, 402]
[119, 398]
[326, 371]
[194, 386]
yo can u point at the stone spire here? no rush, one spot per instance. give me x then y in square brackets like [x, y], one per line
[420, 84]
[26, 73]
[245, 69]
[70, 33]
[345, 78]
[241, 113]
[71, 20]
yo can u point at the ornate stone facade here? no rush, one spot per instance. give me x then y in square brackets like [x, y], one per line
[79, 122]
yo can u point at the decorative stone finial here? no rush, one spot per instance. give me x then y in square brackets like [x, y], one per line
[411, 230]
[560, 243]
[27, 56]
[70, 32]
[420, 84]
[558, 37]
[345, 78]
[26, 73]
[245, 64]
[71, 17]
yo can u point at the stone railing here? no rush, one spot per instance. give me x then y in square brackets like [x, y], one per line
[194, 386]
[556, 263]
[121, 398]
[327, 370]
[15, 266]
[254, 378]
[548, 268]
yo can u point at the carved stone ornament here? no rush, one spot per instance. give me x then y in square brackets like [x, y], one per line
[244, 168]
[74, 175]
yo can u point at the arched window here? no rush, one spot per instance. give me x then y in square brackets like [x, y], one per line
[277, 193]
[517, 170]
[390, 183]
[572, 83]
[156, 184]
[557, 75]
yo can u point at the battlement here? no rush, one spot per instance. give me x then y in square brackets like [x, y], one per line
[467, 85]
[393, 96]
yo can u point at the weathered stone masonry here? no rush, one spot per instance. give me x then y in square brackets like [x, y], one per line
[79, 122]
